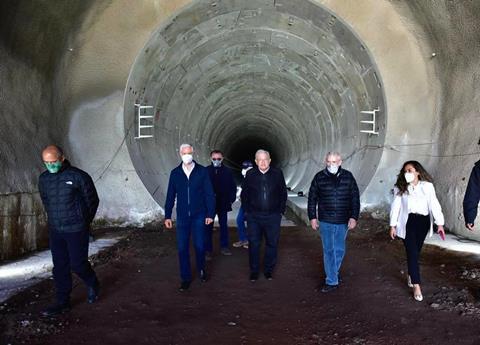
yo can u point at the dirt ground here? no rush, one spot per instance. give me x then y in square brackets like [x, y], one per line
[140, 303]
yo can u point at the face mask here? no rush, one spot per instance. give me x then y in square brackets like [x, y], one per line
[409, 177]
[187, 159]
[332, 169]
[244, 171]
[216, 162]
[53, 167]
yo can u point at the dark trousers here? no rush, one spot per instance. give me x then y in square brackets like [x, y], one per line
[417, 229]
[224, 240]
[70, 253]
[259, 226]
[187, 227]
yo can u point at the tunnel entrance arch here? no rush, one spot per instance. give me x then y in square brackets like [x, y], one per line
[286, 75]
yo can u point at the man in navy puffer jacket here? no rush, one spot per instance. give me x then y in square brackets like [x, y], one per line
[335, 192]
[71, 201]
[190, 185]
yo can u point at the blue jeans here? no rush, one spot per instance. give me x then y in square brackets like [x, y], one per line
[333, 241]
[222, 221]
[185, 228]
[242, 232]
[260, 226]
[70, 253]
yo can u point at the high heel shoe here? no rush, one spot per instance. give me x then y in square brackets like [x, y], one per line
[418, 298]
[409, 282]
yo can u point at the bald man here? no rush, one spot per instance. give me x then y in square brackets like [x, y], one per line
[70, 200]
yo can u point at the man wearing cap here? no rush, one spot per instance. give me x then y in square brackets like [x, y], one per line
[242, 234]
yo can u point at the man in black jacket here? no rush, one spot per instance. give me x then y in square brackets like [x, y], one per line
[335, 192]
[472, 197]
[264, 197]
[71, 201]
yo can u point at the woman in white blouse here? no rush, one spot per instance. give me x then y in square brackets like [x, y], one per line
[414, 207]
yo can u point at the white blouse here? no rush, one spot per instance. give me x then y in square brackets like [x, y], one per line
[420, 199]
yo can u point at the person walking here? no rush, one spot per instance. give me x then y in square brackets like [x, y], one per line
[333, 209]
[71, 201]
[225, 190]
[242, 232]
[414, 206]
[189, 184]
[264, 197]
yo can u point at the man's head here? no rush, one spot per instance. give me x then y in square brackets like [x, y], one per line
[217, 157]
[333, 160]
[186, 153]
[262, 159]
[53, 158]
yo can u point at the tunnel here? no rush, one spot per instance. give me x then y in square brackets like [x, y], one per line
[121, 84]
[286, 76]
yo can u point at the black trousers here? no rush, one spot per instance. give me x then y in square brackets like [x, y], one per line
[417, 229]
[70, 253]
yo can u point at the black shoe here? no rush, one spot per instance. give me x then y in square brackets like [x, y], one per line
[329, 288]
[184, 286]
[93, 293]
[268, 275]
[253, 277]
[56, 309]
[340, 279]
[203, 276]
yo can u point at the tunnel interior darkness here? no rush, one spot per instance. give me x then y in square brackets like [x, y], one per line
[287, 76]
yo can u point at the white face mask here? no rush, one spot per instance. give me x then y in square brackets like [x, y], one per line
[409, 177]
[332, 169]
[216, 163]
[244, 171]
[187, 159]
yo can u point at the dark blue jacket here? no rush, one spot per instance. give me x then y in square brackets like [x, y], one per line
[472, 195]
[69, 197]
[337, 197]
[224, 187]
[194, 195]
[264, 193]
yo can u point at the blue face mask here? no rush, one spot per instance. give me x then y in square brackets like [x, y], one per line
[53, 167]
[216, 163]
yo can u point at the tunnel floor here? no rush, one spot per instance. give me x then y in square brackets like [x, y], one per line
[140, 303]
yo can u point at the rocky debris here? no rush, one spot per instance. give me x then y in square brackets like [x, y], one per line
[472, 274]
[457, 300]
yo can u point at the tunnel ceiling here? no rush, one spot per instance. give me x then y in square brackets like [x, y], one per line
[287, 75]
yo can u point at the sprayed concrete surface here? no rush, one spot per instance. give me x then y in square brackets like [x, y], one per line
[234, 83]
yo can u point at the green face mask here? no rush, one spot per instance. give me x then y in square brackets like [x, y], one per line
[53, 167]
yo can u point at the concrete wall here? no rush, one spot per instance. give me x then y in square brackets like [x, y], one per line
[64, 67]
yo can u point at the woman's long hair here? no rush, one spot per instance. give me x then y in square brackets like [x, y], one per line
[402, 184]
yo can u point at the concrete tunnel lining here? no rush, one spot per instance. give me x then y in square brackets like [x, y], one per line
[219, 74]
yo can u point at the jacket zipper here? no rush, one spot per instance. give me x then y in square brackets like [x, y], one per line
[188, 192]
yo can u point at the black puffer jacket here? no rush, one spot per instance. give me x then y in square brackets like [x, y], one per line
[337, 197]
[69, 197]
[472, 195]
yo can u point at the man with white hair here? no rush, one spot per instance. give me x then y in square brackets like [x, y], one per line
[190, 185]
[334, 191]
[264, 197]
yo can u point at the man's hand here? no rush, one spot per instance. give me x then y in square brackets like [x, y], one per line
[208, 221]
[393, 232]
[469, 226]
[168, 223]
[314, 224]
[352, 223]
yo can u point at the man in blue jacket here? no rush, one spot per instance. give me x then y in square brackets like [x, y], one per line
[71, 201]
[472, 197]
[264, 197]
[335, 192]
[225, 190]
[190, 185]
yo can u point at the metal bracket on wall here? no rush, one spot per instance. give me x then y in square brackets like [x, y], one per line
[144, 119]
[372, 122]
